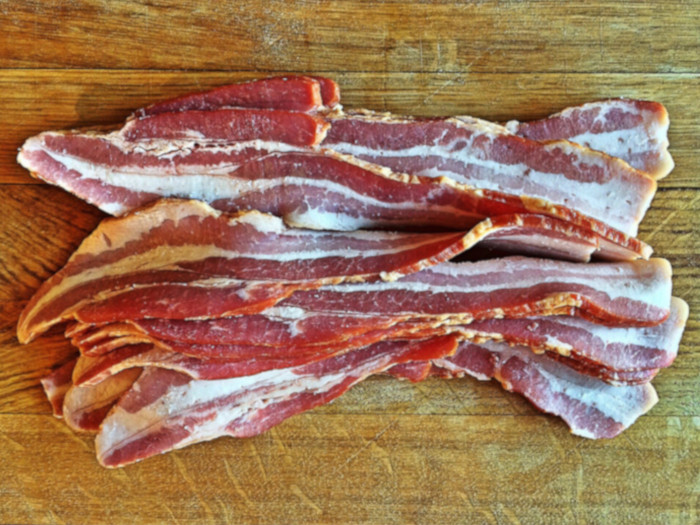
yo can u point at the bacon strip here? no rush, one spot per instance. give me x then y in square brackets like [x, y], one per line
[229, 125]
[306, 188]
[589, 407]
[636, 293]
[479, 154]
[619, 348]
[56, 384]
[166, 410]
[85, 407]
[614, 354]
[186, 241]
[296, 93]
[633, 130]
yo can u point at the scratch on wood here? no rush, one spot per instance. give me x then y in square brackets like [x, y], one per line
[578, 484]
[377, 436]
[236, 485]
[195, 488]
[444, 86]
[633, 444]
[671, 215]
[15, 444]
[258, 459]
[175, 520]
[303, 497]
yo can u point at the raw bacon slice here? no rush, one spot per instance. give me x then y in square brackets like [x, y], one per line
[84, 407]
[612, 351]
[296, 93]
[617, 355]
[611, 377]
[591, 408]
[57, 383]
[619, 348]
[183, 241]
[635, 293]
[414, 372]
[307, 189]
[166, 410]
[229, 125]
[478, 154]
[633, 130]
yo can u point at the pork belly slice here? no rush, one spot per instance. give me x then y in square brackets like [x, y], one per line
[85, 406]
[632, 130]
[480, 155]
[590, 407]
[295, 93]
[255, 255]
[57, 383]
[308, 189]
[613, 353]
[166, 410]
[635, 294]
[228, 125]
[616, 355]
[617, 348]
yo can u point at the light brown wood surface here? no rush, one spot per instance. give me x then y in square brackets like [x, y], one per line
[388, 451]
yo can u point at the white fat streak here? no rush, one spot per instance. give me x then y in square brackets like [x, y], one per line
[664, 337]
[166, 256]
[210, 186]
[620, 143]
[122, 427]
[292, 313]
[623, 404]
[649, 291]
[612, 201]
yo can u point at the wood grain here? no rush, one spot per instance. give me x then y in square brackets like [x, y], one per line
[386, 452]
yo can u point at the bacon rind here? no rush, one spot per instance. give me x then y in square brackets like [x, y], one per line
[169, 410]
[633, 130]
[589, 407]
[296, 93]
[477, 154]
[165, 243]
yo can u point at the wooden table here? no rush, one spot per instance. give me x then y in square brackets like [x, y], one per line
[387, 452]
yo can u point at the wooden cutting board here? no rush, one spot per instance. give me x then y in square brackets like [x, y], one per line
[387, 452]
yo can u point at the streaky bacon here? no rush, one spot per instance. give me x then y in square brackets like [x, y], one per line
[229, 125]
[181, 243]
[590, 407]
[612, 353]
[635, 293]
[308, 189]
[85, 406]
[296, 93]
[166, 410]
[618, 348]
[57, 383]
[480, 155]
[633, 130]
[414, 372]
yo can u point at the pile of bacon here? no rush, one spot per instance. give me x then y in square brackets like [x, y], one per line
[271, 250]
